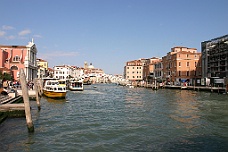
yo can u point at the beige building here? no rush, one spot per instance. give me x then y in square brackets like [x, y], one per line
[182, 64]
[133, 70]
[42, 66]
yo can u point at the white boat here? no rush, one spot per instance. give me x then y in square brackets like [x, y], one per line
[76, 85]
[54, 88]
[129, 85]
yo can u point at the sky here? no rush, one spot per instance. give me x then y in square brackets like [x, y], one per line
[108, 33]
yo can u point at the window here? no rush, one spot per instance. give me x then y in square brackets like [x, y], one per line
[14, 68]
[187, 73]
[16, 58]
[195, 64]
[179, 73]
[187, 55]
[187, 63]
[179, 63]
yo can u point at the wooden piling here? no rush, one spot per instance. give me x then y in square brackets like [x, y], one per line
[218, 89]
[37, 94]
[26, 101]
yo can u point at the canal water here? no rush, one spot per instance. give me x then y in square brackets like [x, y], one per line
[107, 117]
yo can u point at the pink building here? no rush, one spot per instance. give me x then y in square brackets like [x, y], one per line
[15, 57]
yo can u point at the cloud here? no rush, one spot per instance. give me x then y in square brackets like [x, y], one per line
[64, 53]
[24, 32]
[55, 54]
[2, 33]
[6, 27]
[11, 37]
[37, 36]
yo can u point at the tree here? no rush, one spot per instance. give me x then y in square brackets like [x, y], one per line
[6, 76]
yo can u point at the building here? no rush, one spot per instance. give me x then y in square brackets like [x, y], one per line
[15, 57]
[158, 70]
[50, 73]
[63, 72]
[215, 57]
[149, 69]
[133, 70]
[90, 70]
[182, 64]
[42, 68]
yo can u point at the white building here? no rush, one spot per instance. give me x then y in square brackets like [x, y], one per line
[67, 72]
[62, 72]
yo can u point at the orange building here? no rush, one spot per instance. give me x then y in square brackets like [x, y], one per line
[15, 57]
[149, 69]
[182, 64]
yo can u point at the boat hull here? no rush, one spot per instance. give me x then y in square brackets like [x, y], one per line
[52, 94]
[75, 89]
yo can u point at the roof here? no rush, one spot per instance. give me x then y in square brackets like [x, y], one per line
[12, 46]
[41, 60]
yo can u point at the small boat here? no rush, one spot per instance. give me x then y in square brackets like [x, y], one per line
[184, 87]
[76, 85]
[54, 88]
[129, 85]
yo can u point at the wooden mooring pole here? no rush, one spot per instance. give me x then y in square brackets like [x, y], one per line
[37, 93]
[26, 101]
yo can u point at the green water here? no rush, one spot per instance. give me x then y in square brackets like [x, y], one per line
[114, 118]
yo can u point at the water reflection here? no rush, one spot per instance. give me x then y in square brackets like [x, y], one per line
[52, 100]
[134, 97]
[185, 109]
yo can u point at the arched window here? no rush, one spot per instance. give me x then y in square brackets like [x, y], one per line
[16, 58]
[14, 67]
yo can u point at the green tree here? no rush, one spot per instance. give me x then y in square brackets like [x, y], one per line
[5, 76]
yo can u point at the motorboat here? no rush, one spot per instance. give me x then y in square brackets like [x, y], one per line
[76, 85]
[54, 88]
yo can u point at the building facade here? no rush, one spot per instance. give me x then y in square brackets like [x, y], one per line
[133, 70]
[16, 57]
[182, 64]
[149, 69]
[158, 70]
[215, 57]
[63, 72]
[42, 68]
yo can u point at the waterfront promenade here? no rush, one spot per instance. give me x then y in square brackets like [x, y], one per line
[198, 88]
[182, 87]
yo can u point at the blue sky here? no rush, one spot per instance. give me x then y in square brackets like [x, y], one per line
[108, 33]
